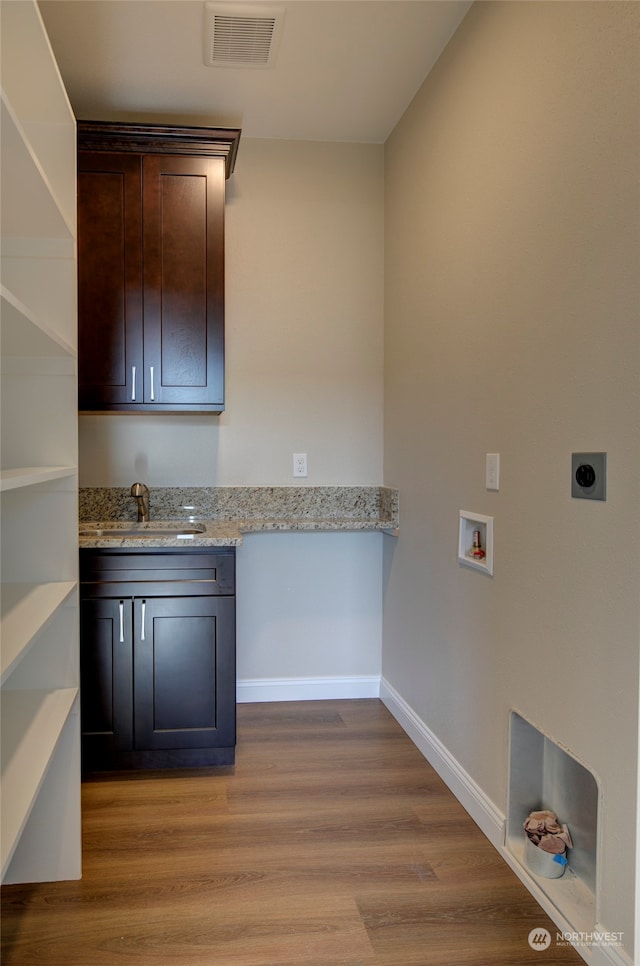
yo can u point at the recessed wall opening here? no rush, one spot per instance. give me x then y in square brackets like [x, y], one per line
[544, 775]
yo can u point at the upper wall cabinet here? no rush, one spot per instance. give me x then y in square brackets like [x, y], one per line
[151, 267]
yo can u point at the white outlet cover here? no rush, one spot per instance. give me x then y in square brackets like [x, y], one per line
[299, 464]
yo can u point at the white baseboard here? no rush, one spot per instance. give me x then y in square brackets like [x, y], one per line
[307, 689]
[488, 817]
[469, 794]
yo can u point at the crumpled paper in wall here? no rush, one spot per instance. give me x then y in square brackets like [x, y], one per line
[544, 830]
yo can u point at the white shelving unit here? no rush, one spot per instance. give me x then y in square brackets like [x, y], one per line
[39, 663]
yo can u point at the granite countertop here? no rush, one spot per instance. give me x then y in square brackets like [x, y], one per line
[226, 514]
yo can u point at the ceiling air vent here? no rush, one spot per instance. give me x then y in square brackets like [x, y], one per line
[240, 35]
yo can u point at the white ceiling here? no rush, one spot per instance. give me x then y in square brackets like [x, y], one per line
[345, 71]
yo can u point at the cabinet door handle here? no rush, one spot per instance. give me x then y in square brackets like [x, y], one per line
[133, 383]
[121, 608]
[153, 395]
[144, 608]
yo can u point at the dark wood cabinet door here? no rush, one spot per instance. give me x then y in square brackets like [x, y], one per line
[183, 281]
[110, 337]
[150, 282]
[106, 677]
[158, 666]
[184, 672]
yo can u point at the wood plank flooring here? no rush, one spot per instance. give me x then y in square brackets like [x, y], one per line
[331, 841]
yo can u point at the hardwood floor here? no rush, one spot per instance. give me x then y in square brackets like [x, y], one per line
[332, 841]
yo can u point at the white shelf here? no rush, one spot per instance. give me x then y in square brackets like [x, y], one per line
[30, 206]
[30, 74]
[50, 306]
[29, 475]
[26, 612]
[25, 335]
[40, 765]
[32, 722]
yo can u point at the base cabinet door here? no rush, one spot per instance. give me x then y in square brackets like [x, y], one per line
[106, 683]
[184, 673]
[158, 682]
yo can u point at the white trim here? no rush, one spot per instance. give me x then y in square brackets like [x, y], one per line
[307, 689]
[487, 816]
[481, 809]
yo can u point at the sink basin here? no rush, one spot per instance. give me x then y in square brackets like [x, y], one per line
[144, 530]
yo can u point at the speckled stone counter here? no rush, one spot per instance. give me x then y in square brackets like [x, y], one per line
[228, 512]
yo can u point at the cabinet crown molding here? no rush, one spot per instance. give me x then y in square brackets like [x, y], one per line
[212, 142]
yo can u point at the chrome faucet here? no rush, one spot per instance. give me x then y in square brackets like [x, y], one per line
[140, 494]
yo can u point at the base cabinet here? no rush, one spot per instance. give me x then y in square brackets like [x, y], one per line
[157, 658]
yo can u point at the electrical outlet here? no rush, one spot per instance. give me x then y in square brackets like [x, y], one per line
[589, 476]
[299, 464]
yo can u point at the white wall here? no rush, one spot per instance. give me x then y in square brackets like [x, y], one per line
[512, 295]
[309, 615]
[304, 340]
